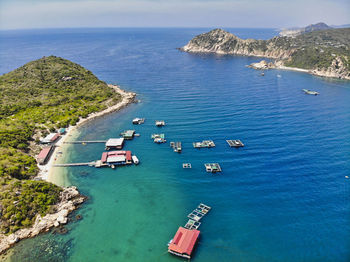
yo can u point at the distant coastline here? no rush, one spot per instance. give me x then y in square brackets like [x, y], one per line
[322, 53]
[70, 198]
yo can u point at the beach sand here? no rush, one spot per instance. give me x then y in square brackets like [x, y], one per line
[59, 176]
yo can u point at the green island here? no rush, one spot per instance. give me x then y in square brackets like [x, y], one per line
[323, 52]
[39, 97]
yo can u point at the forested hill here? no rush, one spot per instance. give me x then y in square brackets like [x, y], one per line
[40, 96]
[327, 52]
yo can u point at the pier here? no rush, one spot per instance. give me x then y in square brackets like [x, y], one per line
[76, 164]
[85, 142]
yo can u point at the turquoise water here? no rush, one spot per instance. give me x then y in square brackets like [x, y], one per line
[283, 197]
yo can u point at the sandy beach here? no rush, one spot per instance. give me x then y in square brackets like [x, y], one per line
[47, 171]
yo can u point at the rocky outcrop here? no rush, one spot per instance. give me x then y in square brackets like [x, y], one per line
[221, 42]
[336, 70]
[262, 65]
[70, 199]
[322, 53]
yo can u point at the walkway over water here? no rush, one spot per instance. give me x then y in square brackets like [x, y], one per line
[76, 164]
[85, 142]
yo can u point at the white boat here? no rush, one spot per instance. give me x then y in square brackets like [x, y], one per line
[135, 160]
[138, 121]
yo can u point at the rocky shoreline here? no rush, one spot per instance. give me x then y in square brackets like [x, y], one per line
[70, 199]
[280, 49]
[330, 72]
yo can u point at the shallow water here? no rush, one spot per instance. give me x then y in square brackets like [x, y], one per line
[283, 197]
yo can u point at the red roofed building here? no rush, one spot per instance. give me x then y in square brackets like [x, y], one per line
[116, 157]
[128, 157]
[44, 155]
[183, 242]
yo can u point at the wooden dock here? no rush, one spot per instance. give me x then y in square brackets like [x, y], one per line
[76, 164]
[85, 142]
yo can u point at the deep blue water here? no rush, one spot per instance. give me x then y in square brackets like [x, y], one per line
[283, 197]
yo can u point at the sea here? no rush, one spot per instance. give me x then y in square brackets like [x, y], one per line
[284, 197]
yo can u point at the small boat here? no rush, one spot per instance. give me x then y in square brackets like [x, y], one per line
[186, 165]
[138, 121]
[135, 160]
[310, 92]
[160, 123]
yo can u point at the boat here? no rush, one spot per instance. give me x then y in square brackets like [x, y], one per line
[310, 92]
[135, 160]
[186, 165]
[138, 121]
[160, 123]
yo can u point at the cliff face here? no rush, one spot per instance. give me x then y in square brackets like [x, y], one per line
[222, 42]
[324, 53]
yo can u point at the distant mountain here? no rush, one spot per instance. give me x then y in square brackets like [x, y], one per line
[341, 26]
[321, 52]
[310, 28]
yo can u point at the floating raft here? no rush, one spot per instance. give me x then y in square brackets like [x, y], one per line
[235, 143]
[176, 146]
[309, 92]
[212, 167]
[191, 224]
[186, 165]
[128, 134]
[160, 123]
[204, 144]
[138, 121]
[196, 215]
[158, 138]
[186, 237]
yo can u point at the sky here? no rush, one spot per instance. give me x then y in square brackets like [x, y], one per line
[26, 14]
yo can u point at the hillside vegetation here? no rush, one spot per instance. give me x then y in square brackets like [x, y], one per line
[326, 51]
[40, 96]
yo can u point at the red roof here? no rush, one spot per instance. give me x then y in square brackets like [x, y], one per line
[54, 138]
[44, 152]
[104, 157]
[184, 241]
[128, 155]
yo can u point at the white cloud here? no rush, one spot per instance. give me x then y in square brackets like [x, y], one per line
[139, 13]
